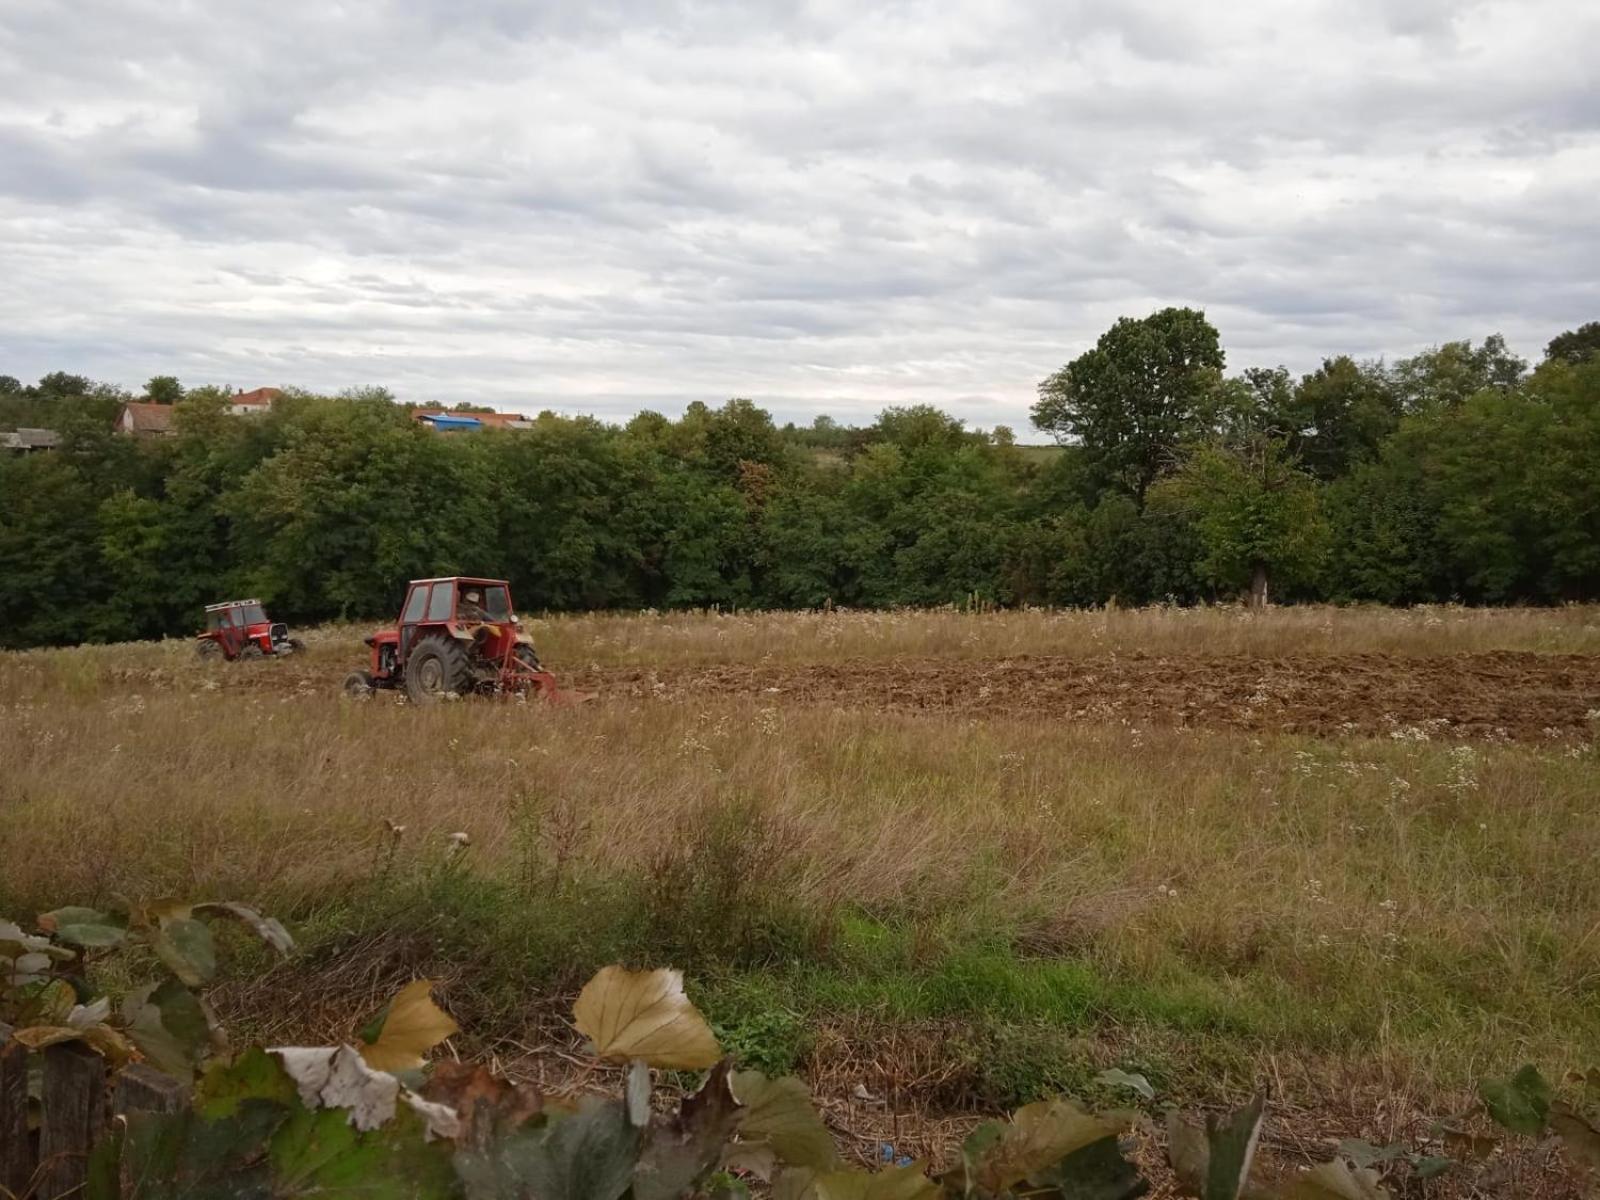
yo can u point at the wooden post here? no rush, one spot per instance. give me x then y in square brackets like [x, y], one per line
[144, 1089]
[16, 1151]
[73, 1117]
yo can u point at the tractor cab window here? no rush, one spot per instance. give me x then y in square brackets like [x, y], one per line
[439, 602]
[250, 614]
[236, 618]
[494, 603]
[416, 604]
[214, 619]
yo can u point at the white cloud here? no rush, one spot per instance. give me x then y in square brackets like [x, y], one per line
[824, 206]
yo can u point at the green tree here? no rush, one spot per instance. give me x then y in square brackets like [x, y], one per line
[163, 389]
[1258, 514]
[1576, 346]
[1145, 389]
[1445, 376]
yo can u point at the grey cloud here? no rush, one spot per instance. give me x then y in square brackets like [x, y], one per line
[823, 206]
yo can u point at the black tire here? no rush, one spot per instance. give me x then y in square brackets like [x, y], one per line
[296, 645]
[527, 657]
[358, 685]
[437, 667]
[207, 649]
[251, 651]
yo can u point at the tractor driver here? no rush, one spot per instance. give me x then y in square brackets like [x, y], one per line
[471, 607]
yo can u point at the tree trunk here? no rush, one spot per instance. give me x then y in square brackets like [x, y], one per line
[1258, 586]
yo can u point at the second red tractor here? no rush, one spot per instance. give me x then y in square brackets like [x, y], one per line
[455, 637]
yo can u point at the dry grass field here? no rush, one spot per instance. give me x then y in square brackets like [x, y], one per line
[967, 884]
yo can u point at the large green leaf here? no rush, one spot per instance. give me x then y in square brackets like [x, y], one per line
[892, 1183]
[1036, 1139]
[680, 1152]
[84, 926]
[183, 1156]
[1231, 1147]
[1097, 1171]
[779, 1113]
[254, 1075]
[184, 943]
[322, 1154]
[171, 1027]
[589, 1155]
[1335, 1181]
[1521, 1103]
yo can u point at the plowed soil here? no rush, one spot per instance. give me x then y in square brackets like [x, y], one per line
[1499, 696]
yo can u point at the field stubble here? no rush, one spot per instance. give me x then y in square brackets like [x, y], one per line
[975, 907]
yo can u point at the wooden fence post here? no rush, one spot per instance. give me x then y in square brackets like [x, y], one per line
[140, 1089]
[16, 1151]
[73, 1117]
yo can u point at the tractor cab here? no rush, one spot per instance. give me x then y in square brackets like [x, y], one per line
[455, 636]
[241, 629]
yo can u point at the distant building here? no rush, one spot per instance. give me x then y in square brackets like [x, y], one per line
[138, 419]
[26, 441]
[246, 404]
[447, 421]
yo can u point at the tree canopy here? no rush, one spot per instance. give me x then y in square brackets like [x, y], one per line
[1456, 474]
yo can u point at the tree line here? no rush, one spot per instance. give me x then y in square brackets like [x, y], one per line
[1460, 474]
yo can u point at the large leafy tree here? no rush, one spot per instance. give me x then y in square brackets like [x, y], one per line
[1145, 389]
[1575, 346]
[1257, 512]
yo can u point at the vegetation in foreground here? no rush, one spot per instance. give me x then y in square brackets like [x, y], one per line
[372, 1116]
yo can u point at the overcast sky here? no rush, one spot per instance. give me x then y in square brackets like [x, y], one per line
[604, 205]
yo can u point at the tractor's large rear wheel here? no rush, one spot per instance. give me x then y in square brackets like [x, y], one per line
[437, 667]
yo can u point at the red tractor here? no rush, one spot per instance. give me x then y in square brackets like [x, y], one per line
[455, 637]
[240, 629]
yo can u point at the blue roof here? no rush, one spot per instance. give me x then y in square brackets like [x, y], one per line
[452, 421]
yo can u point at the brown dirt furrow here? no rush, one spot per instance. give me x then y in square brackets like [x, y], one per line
[1495, 696]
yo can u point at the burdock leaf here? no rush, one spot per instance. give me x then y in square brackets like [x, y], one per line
[414, 1025]
[1580, 1139]
[269, 929]
[1037, 1138]
[681, 1152]
[1231, 1146]
[322, 1154]
[1335, 1181]
[254, 1075]
[644, 1014]
[171, 1027]
[892, 1183]
[779, 1113]
[185, 945]
[84, 926]
[1115, 1077]
[587, 1156]
[1365, 1154]
[1520, 1103]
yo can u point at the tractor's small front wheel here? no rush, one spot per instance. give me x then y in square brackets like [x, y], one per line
[207, 649]
[358, 685]
[251, 651]
[437, 667]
